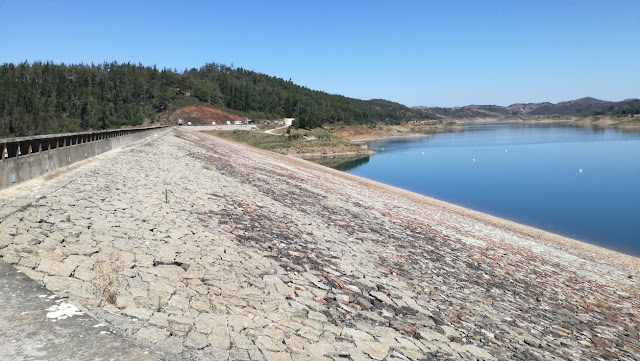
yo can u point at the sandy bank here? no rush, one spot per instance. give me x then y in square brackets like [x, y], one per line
[357, 133]
[367, 138]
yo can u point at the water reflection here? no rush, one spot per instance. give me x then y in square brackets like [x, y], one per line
[503, 133]
[351, 164]
[341, 163]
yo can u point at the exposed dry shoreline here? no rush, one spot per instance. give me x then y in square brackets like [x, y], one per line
[359, 133]
[332, 153]
[363, 133]
[367, 138]
[590, 121]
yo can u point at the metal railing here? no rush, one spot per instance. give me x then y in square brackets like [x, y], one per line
[25, 158]
[16, 147]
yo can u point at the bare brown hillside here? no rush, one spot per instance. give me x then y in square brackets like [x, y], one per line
[200, 115]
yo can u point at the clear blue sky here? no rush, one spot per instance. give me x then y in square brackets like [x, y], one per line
[435, 53]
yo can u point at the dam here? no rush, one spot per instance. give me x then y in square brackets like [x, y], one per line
[201, 248]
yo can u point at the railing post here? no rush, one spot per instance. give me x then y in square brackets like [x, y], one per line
[5, 153]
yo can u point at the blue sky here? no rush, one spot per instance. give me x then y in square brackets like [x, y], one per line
[434, 53]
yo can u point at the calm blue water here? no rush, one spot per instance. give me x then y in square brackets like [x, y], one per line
[525, 173]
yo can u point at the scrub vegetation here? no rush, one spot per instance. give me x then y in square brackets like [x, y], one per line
[299, 142]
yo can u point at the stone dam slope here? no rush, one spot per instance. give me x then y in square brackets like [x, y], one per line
[205, 249]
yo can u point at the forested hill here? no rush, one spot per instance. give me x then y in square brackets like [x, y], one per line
[42, 98]
[582, 107]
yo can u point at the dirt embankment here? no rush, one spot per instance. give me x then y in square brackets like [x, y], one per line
[301, 143]
[200, 115]
[380, 131]
[313, 151]
[609, 122]
[598, 121]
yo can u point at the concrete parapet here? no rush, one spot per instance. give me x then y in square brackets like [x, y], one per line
[25, 158]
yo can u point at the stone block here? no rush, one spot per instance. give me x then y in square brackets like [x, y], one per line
[56, 268]
[196, 340]
[137, 312]
[152, 334]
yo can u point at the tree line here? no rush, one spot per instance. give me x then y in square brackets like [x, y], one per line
[44, 97]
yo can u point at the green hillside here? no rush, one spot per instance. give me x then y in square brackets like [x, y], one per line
[42, 98]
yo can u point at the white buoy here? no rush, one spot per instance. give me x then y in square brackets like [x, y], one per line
[580, 170]
[382, 148]
[505, 150]
[473, 159]
[422, 152]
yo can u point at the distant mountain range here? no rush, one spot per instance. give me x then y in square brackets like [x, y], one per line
[582, 107]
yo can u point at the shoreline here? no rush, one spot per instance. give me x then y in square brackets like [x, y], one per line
[412, 133]
[346, 156]
[382, 137]
[587, 122]
[505, 224]
[359, 133]
[574, 246]
[580, 122]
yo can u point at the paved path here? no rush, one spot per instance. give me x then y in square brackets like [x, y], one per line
[38, 325]
[209, 249]
[270, 131]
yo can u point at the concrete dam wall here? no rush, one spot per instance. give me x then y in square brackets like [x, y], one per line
[25, 158]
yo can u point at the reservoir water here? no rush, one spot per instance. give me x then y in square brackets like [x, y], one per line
[583, 183]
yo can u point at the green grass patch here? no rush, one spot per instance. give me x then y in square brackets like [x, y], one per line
[313, 143]
[160, 308]
[604, 305]
[254, 138]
